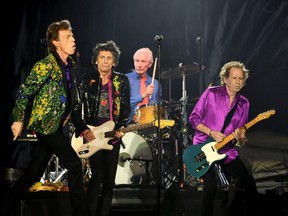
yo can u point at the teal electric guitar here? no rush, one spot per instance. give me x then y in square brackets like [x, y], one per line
[199, 158]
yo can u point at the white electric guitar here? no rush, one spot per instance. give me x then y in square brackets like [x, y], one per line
[104, 133]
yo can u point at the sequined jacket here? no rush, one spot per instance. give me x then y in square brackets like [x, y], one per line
[86, 101]
[46, 85]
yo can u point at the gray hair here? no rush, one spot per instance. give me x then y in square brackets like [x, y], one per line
[225, 70]
[144, 50]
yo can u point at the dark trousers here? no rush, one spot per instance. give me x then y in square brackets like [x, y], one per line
[100, 189]
[245, 183]
[41, 153]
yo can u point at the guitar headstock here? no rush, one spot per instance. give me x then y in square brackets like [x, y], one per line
[266, 114]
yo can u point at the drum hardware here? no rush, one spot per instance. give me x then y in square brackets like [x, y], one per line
[134, 163]
[58, 174]
[170, 161]
[180, 70]
[124, 157]
[61, 175]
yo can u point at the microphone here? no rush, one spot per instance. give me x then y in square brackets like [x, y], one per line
[158, 38]
[124, 159]
[199, 40]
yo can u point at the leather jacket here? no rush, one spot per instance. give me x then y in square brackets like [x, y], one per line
[87, 96]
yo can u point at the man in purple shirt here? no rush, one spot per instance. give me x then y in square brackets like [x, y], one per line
[207, 119]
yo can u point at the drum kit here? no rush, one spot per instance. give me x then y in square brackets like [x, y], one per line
[137, 162]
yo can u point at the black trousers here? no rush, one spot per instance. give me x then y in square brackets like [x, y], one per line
[245, 183]
[100, 189]
[41, 153]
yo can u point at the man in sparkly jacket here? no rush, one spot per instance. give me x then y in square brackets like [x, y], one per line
[50, 84]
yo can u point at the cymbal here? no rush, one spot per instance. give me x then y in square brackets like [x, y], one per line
[181, 70]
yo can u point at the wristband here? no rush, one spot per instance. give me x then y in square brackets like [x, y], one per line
[210, 133]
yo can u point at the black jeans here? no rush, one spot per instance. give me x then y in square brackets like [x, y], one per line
[245, 182]
[100, 190]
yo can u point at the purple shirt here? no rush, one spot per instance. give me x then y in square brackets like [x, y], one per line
[212, 109]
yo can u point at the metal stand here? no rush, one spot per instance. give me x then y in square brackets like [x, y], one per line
[199, 41]
[184, 110]
[59, 172]
[184, 130]
[158, 39]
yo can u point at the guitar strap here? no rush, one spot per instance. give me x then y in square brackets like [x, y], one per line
[220, 176]
[229, 116]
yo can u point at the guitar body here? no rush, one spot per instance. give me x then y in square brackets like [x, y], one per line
[199, 158]
[85, 150]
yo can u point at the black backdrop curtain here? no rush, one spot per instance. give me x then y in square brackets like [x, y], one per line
[251, 31]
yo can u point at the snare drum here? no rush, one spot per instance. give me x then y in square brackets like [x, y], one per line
[135, 160]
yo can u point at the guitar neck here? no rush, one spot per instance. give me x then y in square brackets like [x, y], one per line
[137, 127]
[230, 137]
[130, 128]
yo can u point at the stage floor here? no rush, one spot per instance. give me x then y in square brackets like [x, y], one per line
[265, 156]
[145, 200]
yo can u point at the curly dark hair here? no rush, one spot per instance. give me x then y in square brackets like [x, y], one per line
[108, 46]
[53, 33]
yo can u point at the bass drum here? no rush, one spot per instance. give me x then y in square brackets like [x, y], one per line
[135, 160]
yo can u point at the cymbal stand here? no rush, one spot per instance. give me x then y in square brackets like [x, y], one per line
[199, 41]
[184, 111]
[184, 129]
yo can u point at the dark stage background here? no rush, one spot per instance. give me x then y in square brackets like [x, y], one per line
[252, 31]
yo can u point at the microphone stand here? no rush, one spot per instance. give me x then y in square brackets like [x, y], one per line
[201, 76]
[159, 143]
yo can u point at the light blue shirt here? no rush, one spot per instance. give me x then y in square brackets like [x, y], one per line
[135, 96]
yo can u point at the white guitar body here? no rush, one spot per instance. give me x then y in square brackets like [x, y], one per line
[85, 150]
[211, 153]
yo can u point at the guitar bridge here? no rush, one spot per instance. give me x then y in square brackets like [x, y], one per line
[200, 168]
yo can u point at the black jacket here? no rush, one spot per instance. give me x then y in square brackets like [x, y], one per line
[86, 101]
